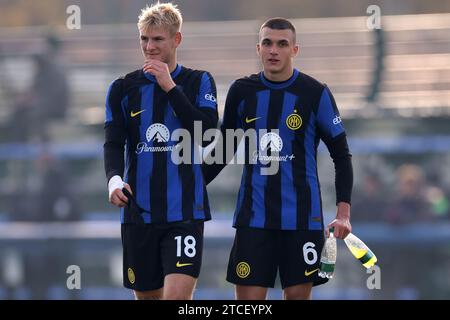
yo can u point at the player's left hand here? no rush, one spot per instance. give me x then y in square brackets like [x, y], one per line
[161, 72]
[342, 228]
[341, 224]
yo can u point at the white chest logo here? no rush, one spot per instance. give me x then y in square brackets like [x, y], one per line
[271, 141]
[157, 132]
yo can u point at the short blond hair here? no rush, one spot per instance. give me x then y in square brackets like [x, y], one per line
[161, 15]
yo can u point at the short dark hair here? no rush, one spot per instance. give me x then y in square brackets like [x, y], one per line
[279, 24]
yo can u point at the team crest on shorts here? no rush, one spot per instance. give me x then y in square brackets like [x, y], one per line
[243, 270]
[131, 276]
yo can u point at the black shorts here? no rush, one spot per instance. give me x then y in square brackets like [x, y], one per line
[152, 251]
[258, 254]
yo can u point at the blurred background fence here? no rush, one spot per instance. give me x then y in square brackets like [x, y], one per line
[392, 86]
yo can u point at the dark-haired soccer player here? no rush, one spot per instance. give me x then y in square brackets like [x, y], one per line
[278, 218]
[164, 204]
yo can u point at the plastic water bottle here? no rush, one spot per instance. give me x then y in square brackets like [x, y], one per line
[328, 256]
[360, 251]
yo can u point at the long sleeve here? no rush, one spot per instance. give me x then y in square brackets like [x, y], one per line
[230, 121]
[115, 132]
[333, 134]
[206, 109]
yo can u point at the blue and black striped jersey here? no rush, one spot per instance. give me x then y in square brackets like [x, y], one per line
[304, 112]
[141, 117]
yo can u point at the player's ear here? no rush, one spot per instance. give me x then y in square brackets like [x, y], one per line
[178, 38]
[258, 49]
[295, 50]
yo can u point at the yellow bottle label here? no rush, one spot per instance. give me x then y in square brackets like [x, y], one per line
[371, 262]
[357, 252]
[367, 258]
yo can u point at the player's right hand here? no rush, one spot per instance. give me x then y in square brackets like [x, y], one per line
[118, 198]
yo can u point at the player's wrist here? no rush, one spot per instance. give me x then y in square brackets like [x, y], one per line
[169, 86]
[115, 183]
[343, 211]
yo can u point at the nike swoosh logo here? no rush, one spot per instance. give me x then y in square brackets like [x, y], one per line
[310, 272]
[247, 120]
[134, 114]
[179, 265]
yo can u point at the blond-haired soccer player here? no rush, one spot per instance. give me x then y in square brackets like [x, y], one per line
[163, 204]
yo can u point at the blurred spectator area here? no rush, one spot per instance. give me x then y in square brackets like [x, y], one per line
[404, 125]
[338, 51]
[408, 116]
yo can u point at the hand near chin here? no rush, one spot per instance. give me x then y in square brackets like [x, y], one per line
[160, 71]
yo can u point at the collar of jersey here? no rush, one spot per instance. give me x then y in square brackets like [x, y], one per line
[278, 85]
[173, 74]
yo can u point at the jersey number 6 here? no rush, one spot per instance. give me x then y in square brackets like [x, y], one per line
[308, 251]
